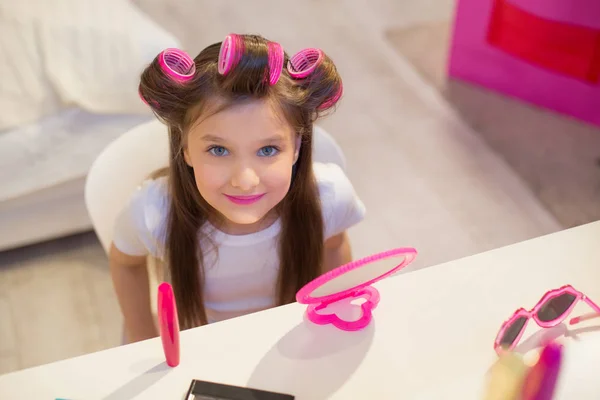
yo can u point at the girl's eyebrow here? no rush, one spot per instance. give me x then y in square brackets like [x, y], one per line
[278, 138]
[274, 139]
[212, 138]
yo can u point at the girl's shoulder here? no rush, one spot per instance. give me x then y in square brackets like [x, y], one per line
[153, 192]
[153, 199]
[141, 226]
[341, 206]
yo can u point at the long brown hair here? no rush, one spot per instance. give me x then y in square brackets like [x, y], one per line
[179, 105]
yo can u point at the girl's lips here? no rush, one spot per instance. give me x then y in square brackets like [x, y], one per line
[244, 200]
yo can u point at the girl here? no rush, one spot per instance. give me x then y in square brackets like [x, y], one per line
[243, 218]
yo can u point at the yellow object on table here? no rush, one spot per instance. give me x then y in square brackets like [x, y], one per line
[506, 378]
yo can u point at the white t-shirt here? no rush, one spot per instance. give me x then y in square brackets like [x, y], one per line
[242, 279]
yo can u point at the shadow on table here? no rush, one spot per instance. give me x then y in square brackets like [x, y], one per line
[537, 339]
[312, 361]
[139, 384]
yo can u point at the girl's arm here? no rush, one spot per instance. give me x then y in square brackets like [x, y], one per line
[337, 252]
[130, 279]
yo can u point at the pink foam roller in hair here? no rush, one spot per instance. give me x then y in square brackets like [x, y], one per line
[142, 98]
[276, 56]
[332, 100]
[230, 54]
[168, 324]
[154, 103]
[177, 64]
[304, 62]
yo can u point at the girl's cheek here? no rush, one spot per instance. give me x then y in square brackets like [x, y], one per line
[211, 175]
[278, 177]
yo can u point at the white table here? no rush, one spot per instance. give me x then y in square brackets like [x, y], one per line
[432, 336]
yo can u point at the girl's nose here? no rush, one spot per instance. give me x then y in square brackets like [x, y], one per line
[245, 179]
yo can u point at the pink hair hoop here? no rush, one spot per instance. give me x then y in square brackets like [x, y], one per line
[304, 62]
[232, 49]
[177, 64]
[309, 294]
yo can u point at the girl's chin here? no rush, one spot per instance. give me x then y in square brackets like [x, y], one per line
[245, 221]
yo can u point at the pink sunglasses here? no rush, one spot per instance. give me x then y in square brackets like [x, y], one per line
[550, 311]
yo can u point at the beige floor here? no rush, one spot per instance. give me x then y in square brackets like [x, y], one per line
[56, 301]
[557, 156]
[427, 178]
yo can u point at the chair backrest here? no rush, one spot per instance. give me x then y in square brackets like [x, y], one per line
[119, 169]
[127, 161]
[326, 149]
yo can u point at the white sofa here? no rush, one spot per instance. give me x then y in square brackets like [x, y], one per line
[43, 166]
[69, 87]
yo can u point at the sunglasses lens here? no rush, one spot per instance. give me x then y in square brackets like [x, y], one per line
[511, 333]
[555, 307]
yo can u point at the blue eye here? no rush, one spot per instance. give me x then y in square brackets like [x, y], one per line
[268, 151]
[218, 151]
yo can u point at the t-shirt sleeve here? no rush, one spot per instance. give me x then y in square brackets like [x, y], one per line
[341, 206]
[140, 224]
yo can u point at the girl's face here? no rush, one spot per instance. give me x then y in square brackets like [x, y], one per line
[242, 159]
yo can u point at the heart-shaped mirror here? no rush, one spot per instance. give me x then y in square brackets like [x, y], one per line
[349, 313]
[352, 281]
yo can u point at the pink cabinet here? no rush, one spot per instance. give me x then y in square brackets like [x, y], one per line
[546, 52]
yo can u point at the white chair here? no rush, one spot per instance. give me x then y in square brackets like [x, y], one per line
[131, 158]
[326, 149]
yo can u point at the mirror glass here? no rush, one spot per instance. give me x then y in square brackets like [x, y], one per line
[358, 276]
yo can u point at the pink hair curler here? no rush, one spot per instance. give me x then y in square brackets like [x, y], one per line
[276, 56]
[168, 324]
[332, 100]
[230, 54]
[154, 102]
[232, 49]
[177, 64]
[142, 98]
[304, 62]
[348, 283]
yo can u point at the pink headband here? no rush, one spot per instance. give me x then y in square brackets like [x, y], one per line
[232, 50]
